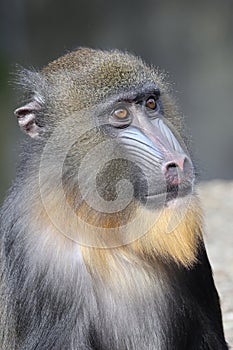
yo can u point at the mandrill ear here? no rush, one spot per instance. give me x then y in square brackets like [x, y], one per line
[28, 118]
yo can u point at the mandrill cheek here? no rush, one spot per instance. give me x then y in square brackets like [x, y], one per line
[123, 172]
[165, 166]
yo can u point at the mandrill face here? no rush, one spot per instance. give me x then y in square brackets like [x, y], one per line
[149, 152]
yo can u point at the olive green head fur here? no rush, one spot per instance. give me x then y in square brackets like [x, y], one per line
[87, 77]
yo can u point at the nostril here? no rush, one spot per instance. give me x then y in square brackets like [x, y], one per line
[177, 170]
[181, 164]
[171, 165]
[187, 166]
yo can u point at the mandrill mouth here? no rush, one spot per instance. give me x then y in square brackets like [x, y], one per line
[170, 193]
[175, 191]
[174, 182]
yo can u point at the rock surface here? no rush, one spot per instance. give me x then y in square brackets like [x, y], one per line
[217, 201]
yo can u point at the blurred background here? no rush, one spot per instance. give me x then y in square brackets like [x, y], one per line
[192, 41]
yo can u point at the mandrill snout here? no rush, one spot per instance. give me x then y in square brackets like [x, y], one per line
[178, 175]
[178, 170]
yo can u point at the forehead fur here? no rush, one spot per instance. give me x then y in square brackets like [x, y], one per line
[88, 76]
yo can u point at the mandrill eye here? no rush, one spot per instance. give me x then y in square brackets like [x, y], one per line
[120, 117]
[151, 103]
[120, 113]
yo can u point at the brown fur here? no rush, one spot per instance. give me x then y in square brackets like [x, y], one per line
[173, 236]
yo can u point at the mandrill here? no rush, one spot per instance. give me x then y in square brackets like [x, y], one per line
[101, 232]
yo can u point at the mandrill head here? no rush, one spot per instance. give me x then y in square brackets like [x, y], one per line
[114, 167]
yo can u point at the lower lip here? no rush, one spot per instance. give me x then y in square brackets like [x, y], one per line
[178, 194]
[168, 198]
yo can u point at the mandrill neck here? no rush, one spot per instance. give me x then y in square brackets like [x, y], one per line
[150, 241]
[173, 239]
